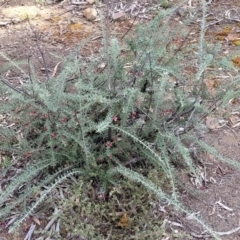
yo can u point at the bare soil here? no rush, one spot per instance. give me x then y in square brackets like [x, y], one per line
[53, 30]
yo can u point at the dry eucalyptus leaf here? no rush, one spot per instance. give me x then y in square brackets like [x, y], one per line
[234, 119]
[236, 61]
[124, 221]
[236, 42]
[212, 84]
[36, 220]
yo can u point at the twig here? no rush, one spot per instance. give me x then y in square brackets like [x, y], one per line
[189, 119]
[14, 88]
[224, 206]
[210, 24]
[227, 15]
[50, 223]
[229, 232]
[235, 134]
[55, 69]
[30, 232]
[39, 49]
[128, 30]
[150, 100]
[181, 45]
[133, 160]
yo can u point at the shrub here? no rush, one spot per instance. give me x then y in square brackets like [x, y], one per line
[133, 103]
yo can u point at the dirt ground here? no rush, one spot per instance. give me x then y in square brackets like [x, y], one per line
[51, 31]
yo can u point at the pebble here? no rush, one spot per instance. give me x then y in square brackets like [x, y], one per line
[90, 14]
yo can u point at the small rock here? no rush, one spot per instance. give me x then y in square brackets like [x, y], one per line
[101, 65]
[91, 1]
[212, 123]
[90, 14]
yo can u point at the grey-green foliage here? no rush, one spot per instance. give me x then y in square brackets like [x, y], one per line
[93, 118]
[136, 177]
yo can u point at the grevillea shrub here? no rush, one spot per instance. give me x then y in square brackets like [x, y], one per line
[132, 103]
